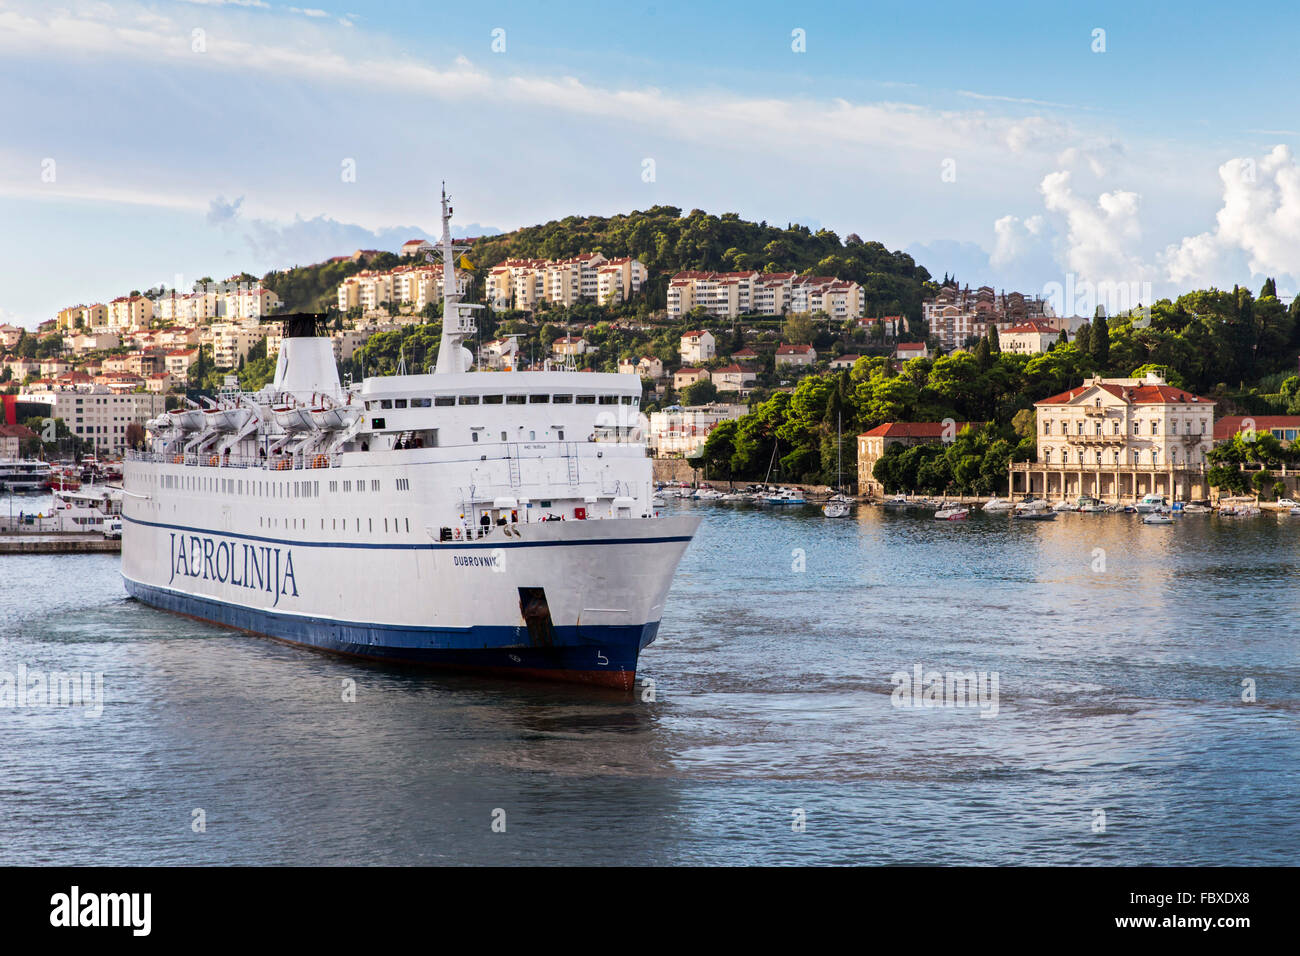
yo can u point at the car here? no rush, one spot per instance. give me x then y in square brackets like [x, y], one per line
[112, 527]
[1287, 503]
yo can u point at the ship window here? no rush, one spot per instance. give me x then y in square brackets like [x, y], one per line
[474, 435]
[408, 525]
[562, 399]
[609, 399]
[560, 432]
[399, 403]
[347, 486]
[420, 403]
[385, 526]
[469, 400]
[386, 403]
[444, 400]
[532, 436]
[492, 399]
[539, 399]
[377, 423]
[374, 484]
[586, 400]
[516, 399]
[629, 400]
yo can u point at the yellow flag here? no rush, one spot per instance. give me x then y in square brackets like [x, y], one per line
[466, 264]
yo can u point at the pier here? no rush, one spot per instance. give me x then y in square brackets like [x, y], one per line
[59, 544]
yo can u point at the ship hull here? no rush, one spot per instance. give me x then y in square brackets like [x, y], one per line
[464, 606]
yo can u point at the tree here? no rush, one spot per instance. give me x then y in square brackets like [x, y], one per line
[995, 343]
[1083, 339]
[1099, 341]
[799, 329]
[701, 393]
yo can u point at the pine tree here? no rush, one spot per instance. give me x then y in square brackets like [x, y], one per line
[1083, 339]
[1269, 288]
[995, 343]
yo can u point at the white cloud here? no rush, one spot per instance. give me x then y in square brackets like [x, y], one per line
[1015, 239]
[309, 12]
[1101, 241]
[1260, 218]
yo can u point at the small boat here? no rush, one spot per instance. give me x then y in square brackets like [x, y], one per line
[999, 504]
[954, 513]
[1090, 505]
[1295, 510]
[1155, 517]
[898, 502]
[1040, 514]
[1031, 506]
[1064, 506]
[1196, 508]
[1150, 503]
[658, 500]
[293, 418]
[835, 509]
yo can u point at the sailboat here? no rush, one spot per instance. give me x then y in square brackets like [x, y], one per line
[838, 506]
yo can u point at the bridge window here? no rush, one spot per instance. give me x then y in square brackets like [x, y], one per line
[609, 399]
[516, 399]
[441, 401]
[586, 400]
[492, 399]
[563, 399]
[420, 402]
[468, 400]
[386, 403]
[539, 399]
[399, 403]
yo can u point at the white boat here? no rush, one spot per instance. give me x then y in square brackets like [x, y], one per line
[500, 523]
[227, 419]
[999, 504]
[1031, 506]
[898, 502]
[87, 509]
[1037, 514]
[1156, 518]
[23, 474]
[188, 419]
[954, 513]
[1090, 505]
[1064, 506]
[293, 418]
[1195, 508]
[835, 509]
[1149, 503]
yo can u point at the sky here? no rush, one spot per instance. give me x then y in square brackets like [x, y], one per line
[1027, 146]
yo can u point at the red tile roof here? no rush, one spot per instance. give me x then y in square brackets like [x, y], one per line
[915, 429]
[1133, 394]
[1229, 425]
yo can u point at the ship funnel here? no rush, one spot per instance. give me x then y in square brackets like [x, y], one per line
[306, 362]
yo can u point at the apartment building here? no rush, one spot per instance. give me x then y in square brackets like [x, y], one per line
[410, 288]
[129, 312]
[98, 414]
[177, 362]
[590, 277]
[727, 295]
[83, 316]
[954, 315]
[10, 335]
[231, 342]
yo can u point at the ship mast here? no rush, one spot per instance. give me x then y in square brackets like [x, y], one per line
[457, 317]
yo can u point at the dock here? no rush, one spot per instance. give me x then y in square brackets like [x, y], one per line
[59, 544]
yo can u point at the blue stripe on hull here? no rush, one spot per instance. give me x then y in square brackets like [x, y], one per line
[603, 654]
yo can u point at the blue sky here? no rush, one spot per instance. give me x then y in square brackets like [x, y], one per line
[999, 141]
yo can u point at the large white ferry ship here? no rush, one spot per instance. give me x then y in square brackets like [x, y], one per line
[488, 521]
